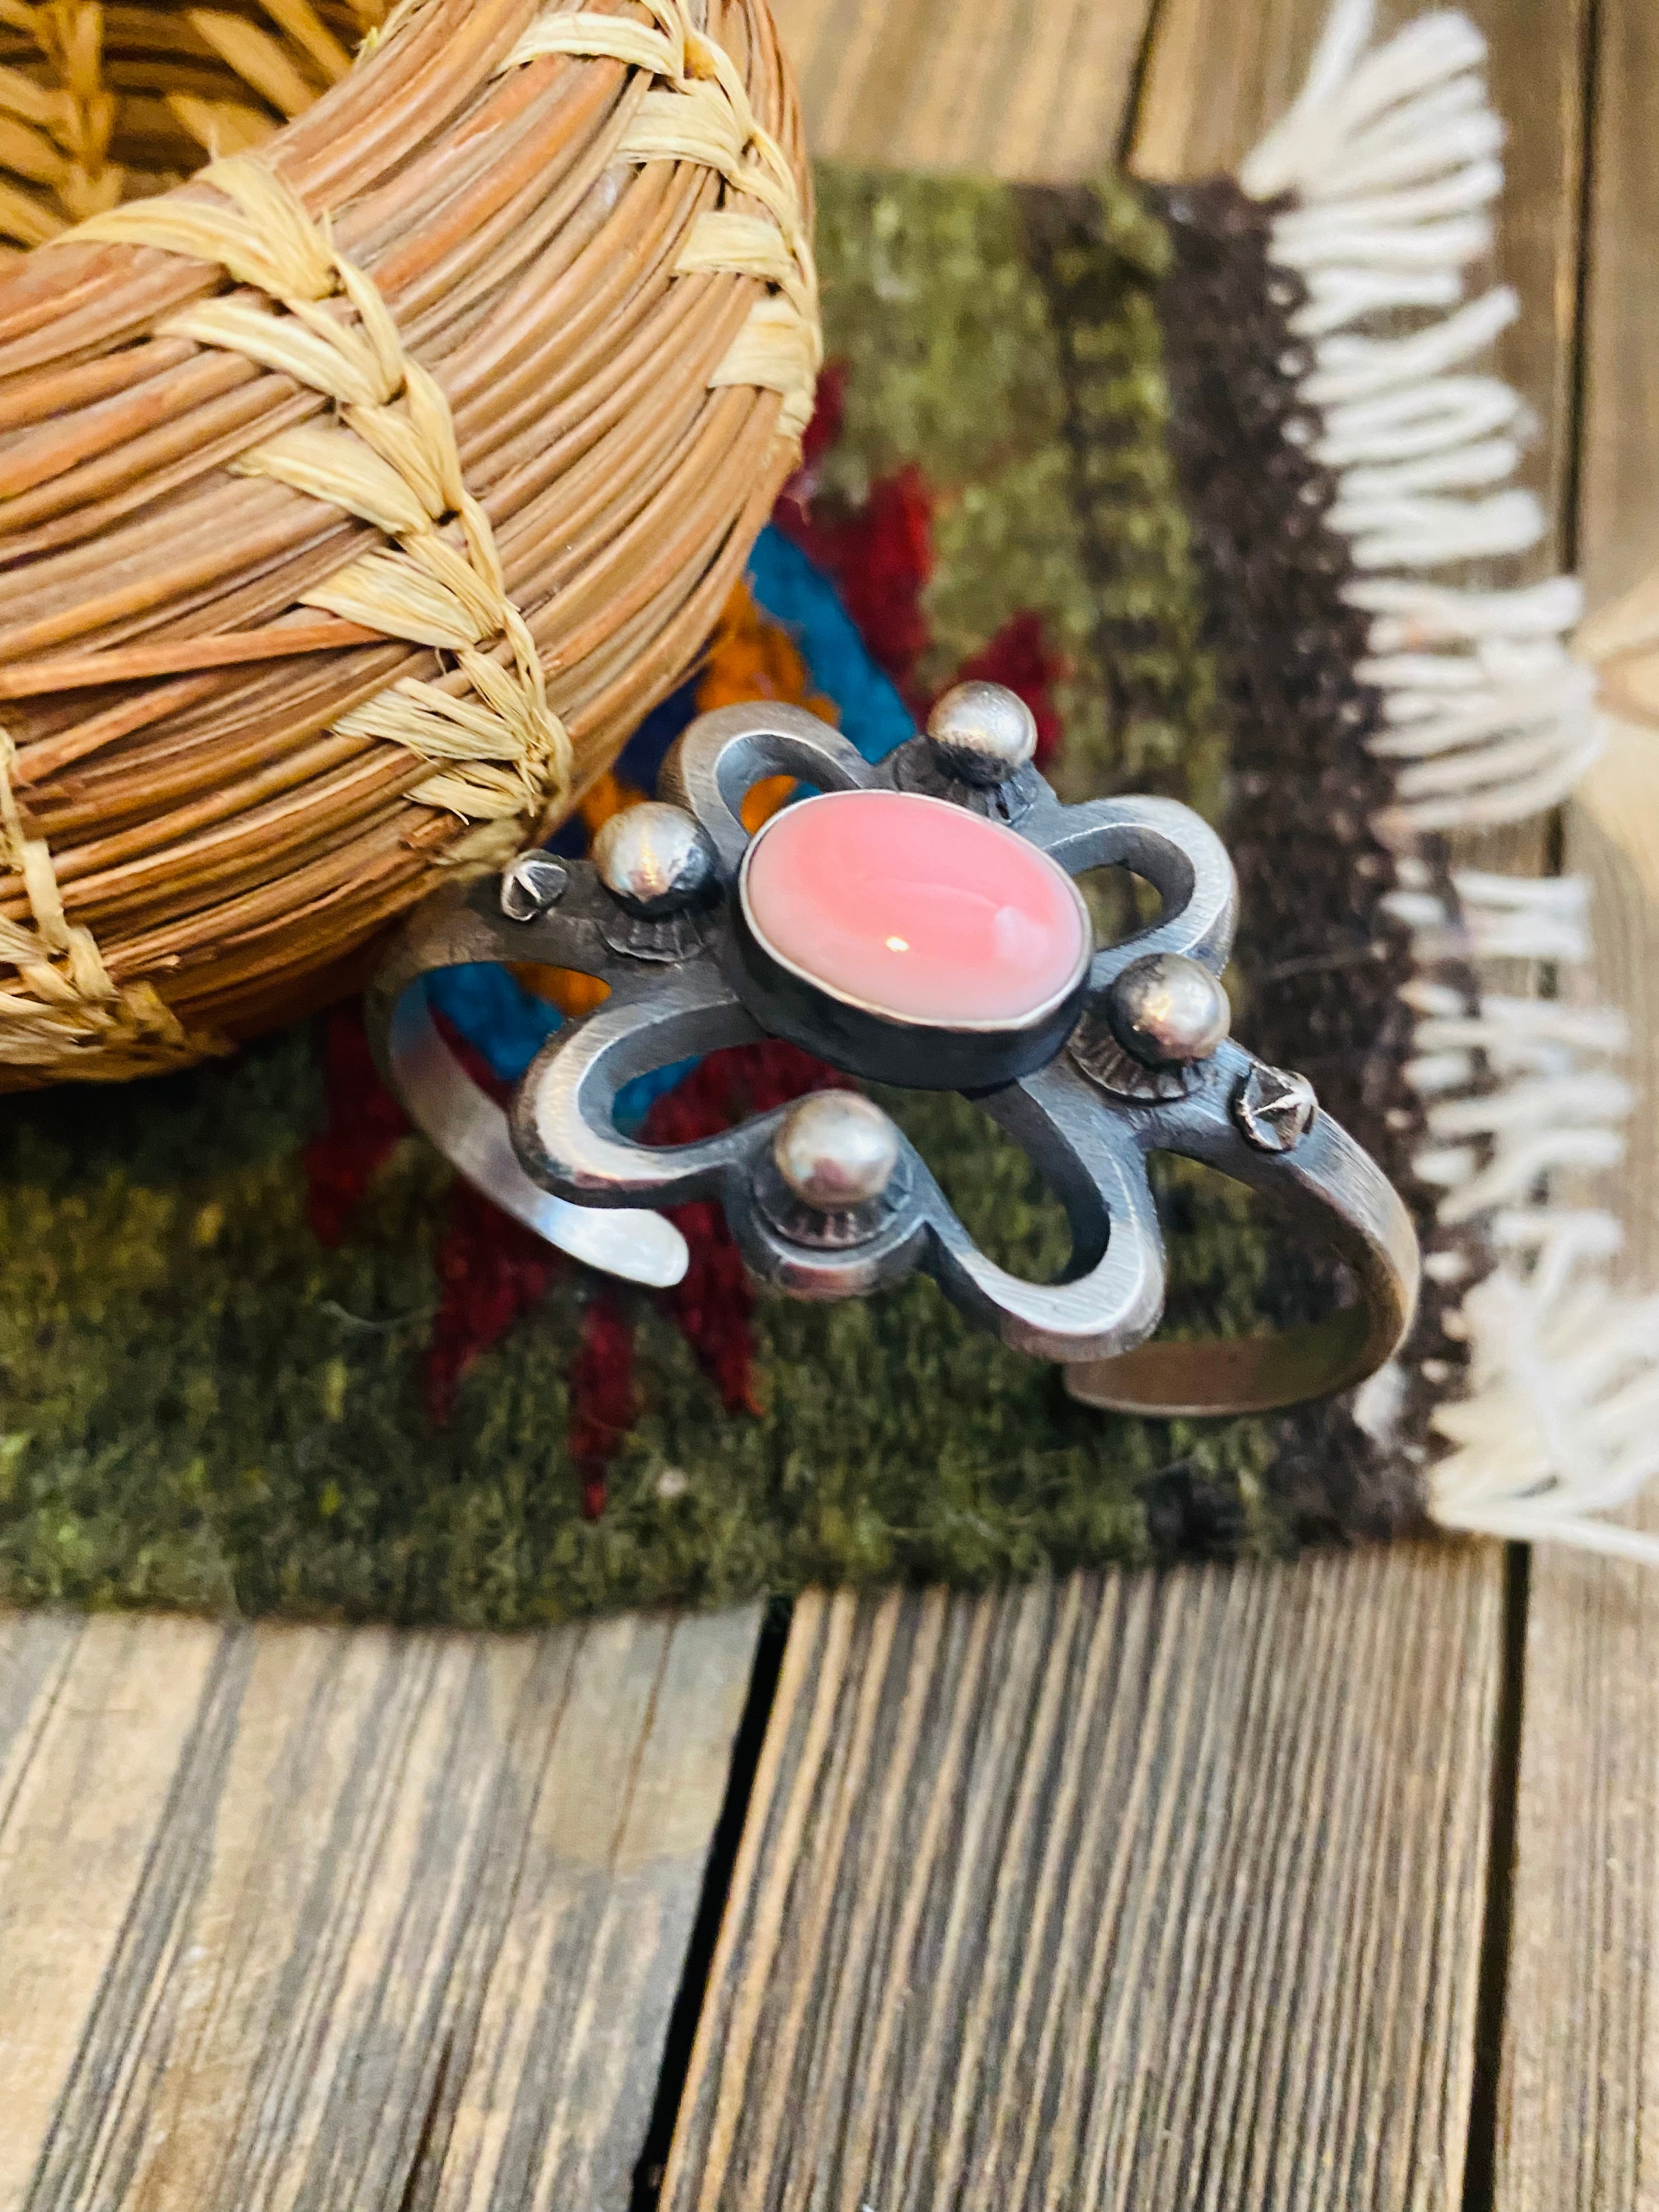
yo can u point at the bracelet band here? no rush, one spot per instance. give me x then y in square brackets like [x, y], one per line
[1113, 1056]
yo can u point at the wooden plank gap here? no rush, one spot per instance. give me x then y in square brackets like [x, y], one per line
[1578, 401]
[1481, 2166]
[305, 1920]
[719, 1869]
[1118, 1891]
[1135, 103]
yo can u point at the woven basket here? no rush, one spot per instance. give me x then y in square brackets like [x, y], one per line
[358, 495]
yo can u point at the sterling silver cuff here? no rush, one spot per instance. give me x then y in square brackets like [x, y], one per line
[1091, 1058]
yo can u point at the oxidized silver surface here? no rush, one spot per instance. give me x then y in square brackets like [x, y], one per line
[1275, 1108]
[531, 883]
[571, 1173]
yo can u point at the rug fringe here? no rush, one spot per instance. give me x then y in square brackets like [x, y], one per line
[1387, 164]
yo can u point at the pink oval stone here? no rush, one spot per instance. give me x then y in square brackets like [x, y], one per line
[915, 907]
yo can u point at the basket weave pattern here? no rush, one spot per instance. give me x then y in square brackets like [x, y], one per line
[359, 495]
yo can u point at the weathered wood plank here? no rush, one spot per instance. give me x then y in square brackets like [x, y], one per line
[312, 1918]
[95, 1721]
[1215, 77]
[1614, 831]
[1619, 541]
[1578, 2111]
[1612, 840]
[1120, 1892]
[1032, 89]
[1578, 2099]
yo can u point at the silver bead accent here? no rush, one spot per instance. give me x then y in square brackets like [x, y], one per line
[530, 884]
[1275, 1108]
[985, 732]
[835, 1150]
[1167, 1007]
[656, 859]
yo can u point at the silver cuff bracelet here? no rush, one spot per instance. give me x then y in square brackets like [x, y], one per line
[914, 923]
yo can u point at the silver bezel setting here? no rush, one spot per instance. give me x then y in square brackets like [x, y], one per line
[867, 1038]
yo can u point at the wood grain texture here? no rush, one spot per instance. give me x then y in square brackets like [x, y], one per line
[1216, 77]
[1578, 2108]
[1612, 840]
[1619, 517]
[1124, 1892]
[312, 1918]
[1613, 832]
[1578, 2097]
[1035, 90]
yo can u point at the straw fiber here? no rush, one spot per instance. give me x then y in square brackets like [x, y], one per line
[360, 493]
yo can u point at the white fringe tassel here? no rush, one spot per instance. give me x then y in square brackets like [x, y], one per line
[1391, 156]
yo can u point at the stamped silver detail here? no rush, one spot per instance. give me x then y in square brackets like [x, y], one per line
[833, 1175]
[668, 938]
[1104, 1061]
[531, 884]
[921, 767]
[1275, 1108]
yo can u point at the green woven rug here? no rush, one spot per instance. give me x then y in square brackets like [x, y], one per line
[204, 1404]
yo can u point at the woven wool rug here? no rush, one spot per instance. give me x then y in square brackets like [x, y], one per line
[1145, 457]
